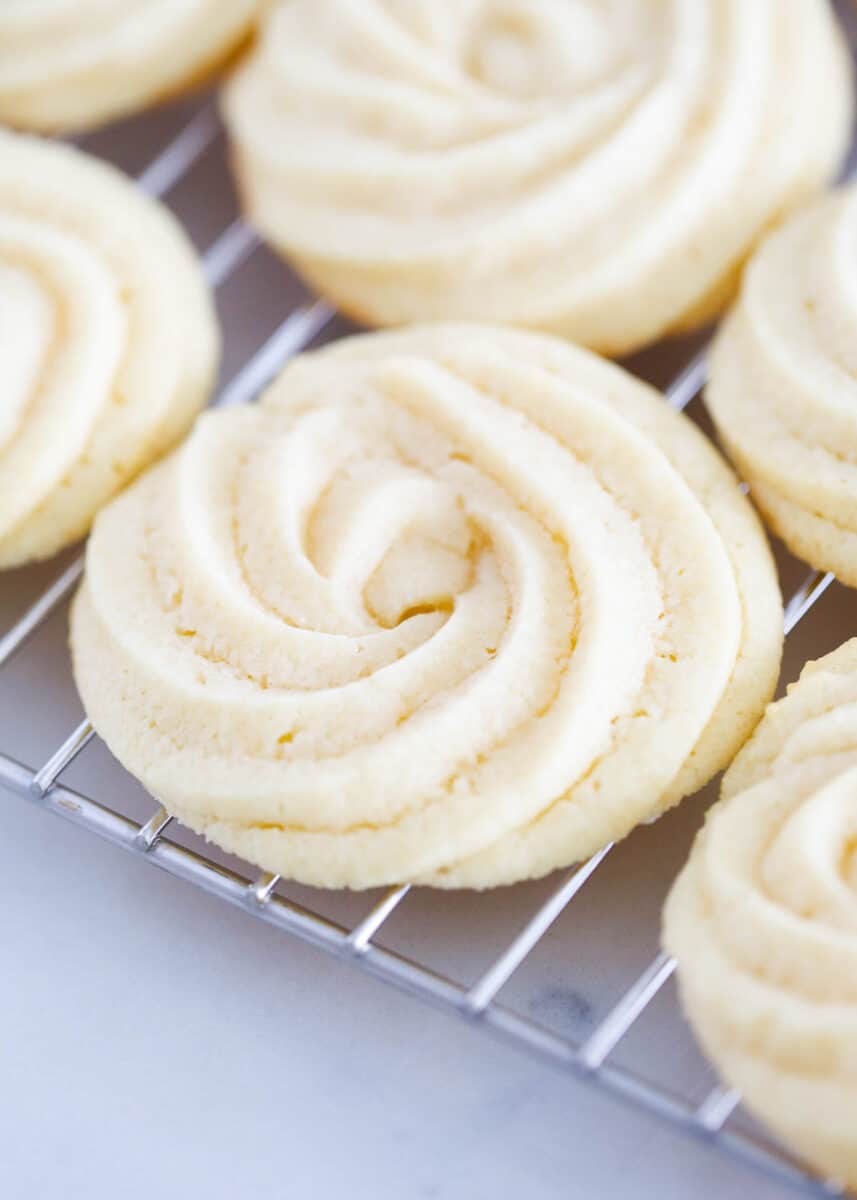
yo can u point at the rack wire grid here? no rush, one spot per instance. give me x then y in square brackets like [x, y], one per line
[499, 942]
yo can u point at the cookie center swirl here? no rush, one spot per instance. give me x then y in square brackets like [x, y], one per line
[810, 866]
[781, 890]
[540, 50]
[365, 539]
[374, 536]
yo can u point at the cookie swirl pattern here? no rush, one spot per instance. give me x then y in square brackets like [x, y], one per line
[108, 341]
[783, 388]
[763, 919]
[426, 613]
[72, 64]
[594, 169]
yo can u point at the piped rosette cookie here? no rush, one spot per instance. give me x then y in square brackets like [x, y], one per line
[108, 340]
[763, 920]
[591, 168]
[783, 383]
[72, 64]
[456, 605]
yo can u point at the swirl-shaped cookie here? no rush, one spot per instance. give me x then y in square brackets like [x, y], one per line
[596, 170]
[455, 605]
[108, 340]
[783, 383]
[73, 64]
[763, 919]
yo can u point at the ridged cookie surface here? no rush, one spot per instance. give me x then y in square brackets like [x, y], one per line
[783, 383]
[593, 169]
[72, 64]
[763, 919]
[108, 340]
[456, 605]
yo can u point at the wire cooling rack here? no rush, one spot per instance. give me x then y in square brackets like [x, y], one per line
[594, 1050]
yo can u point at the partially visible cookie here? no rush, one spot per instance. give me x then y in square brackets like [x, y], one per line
[783, 383]
[456, 605]
[108, 340]
[598, 171]
[74, 64]
[763, 920]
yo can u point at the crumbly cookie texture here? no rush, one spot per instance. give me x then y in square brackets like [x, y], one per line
[783, 383]
[456, 605]
[73, 64]
[763, 919]
[595, 170]
[108, 340]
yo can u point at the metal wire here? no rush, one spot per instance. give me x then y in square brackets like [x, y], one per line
[688, 383]
[357, 945]
[501, 970]
[720, 1104]
[589, 1059]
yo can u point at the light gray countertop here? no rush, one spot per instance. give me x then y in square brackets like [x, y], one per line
[156, 1042]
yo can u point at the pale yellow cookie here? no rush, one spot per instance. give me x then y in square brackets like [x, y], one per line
[763, 920]
[783, 389]
[596, 170]
[73, 64]
[457, 605]
[108, 340]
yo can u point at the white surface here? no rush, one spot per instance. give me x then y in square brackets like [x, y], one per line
[156, 1042]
